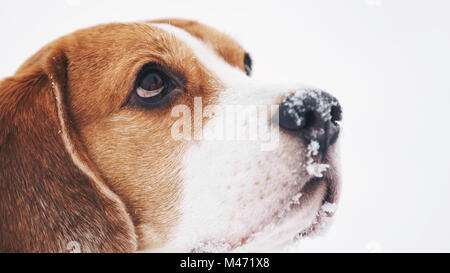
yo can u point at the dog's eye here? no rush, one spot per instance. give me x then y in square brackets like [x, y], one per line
[155, 85]
[151, 86]
[247, 64]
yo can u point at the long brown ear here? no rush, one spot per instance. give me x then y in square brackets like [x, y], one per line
[51, 197]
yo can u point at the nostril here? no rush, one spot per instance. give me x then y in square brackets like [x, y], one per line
[336, 113]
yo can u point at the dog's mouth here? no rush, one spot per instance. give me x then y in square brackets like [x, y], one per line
[306, 212]
[323, 217]
[284, 229]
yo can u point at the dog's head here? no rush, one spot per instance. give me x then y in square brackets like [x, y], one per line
[153, 135]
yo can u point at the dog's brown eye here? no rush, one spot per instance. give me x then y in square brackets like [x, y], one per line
[247, 64]
[151, 84]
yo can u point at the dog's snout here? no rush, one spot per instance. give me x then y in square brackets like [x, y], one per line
[314, 114]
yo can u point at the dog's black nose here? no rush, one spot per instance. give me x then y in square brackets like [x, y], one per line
[314, 114]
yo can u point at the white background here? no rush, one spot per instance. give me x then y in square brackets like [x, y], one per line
[388, 62]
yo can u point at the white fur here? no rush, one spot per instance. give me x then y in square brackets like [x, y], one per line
[233, 189]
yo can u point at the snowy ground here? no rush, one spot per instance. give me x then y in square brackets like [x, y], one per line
[388, 62]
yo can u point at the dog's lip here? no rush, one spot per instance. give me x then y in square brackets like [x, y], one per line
[326, 211]
[330, 200]
[316, 226]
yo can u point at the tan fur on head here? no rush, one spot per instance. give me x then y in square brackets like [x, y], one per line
[227, 48]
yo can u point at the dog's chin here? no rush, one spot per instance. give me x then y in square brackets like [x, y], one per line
[307, 213]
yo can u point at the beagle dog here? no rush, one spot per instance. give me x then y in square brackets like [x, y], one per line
[128, 137]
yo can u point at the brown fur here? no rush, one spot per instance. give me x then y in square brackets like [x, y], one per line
[78, 163]
[46, 201]
[226, 47]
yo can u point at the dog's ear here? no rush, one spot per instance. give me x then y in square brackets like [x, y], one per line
[52, 198]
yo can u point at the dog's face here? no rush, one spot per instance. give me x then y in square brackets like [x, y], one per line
[147, 115]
